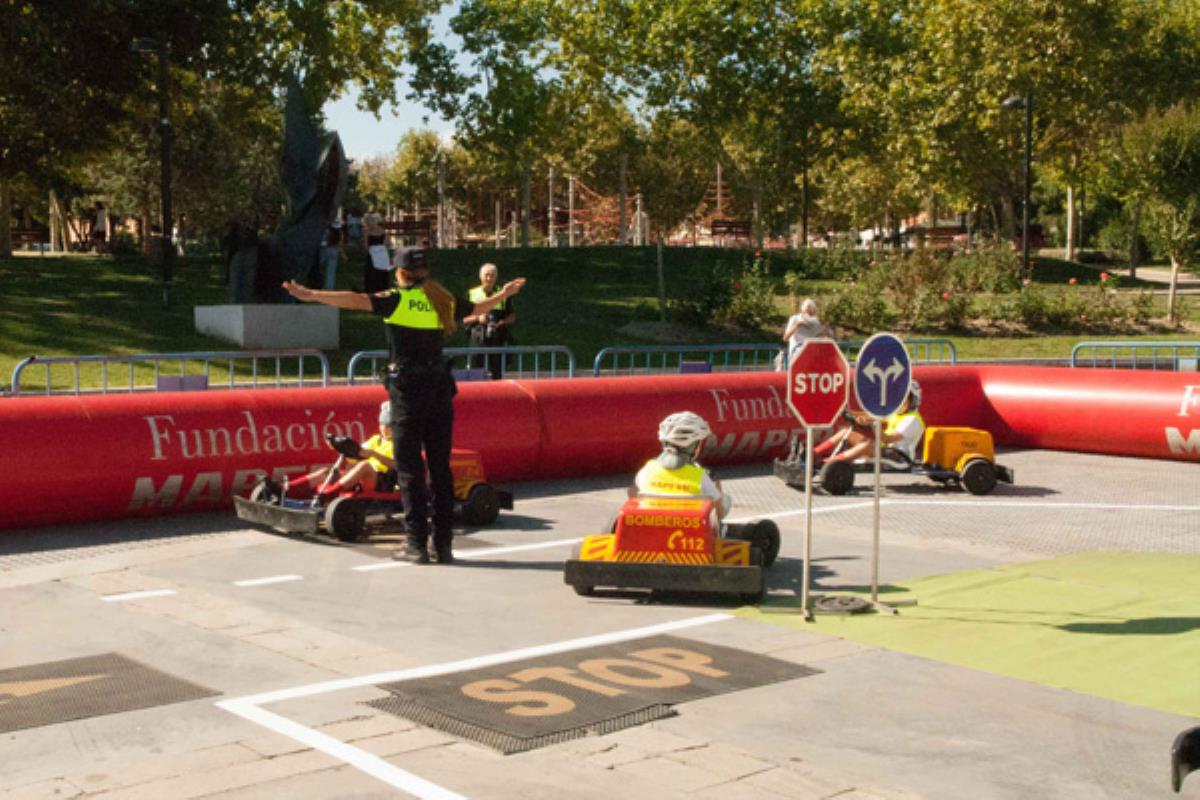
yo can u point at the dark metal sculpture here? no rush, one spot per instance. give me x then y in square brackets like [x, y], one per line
[314, 178]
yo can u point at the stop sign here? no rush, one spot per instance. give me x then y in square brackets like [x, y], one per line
[817, 383]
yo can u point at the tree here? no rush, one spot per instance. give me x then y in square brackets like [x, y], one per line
[70, 81]
[1157, 160]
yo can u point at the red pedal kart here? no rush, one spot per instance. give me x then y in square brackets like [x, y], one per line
[675, 544]
[476, 502]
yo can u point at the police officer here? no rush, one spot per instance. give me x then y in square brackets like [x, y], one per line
[418, 313]
[490, 329]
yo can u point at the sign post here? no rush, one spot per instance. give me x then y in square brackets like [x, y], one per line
[816, 393]
[882, 377]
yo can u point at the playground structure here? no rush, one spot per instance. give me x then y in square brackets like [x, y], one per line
[570, 213]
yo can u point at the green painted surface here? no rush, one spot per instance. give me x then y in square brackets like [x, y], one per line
[1124, 626]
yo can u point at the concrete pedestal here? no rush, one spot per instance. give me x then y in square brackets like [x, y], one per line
[271, 326]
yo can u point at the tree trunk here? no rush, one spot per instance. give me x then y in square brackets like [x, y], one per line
[6, 245]
[1070, 222]
[526, 188]
[1171, 292]
[1133, 238]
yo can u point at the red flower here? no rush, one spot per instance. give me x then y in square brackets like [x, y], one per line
[758, 254]
[1103, 277]
[1072, 281]
[945, 295]
[736, 286]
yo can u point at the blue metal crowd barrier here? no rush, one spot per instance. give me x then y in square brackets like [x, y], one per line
[649, 359]
[536, 361]
[149, 372]
[1168, 356]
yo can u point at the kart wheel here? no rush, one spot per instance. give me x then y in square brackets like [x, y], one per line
[265, 492]
[764, 534]
[582, 591]
[979, 476]
[754, 598]
[837, 477]
[482, 505]
[346, 518]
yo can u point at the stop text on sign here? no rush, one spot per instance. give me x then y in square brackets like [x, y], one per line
[818, 382]
[651, 668]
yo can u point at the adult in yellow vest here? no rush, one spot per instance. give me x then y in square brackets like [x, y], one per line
[418, 313]
[901, 436]
[674, 471]
[490, 329]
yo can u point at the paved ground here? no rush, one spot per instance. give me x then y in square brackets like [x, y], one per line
[294, 637]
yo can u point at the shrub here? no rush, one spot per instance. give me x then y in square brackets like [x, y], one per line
[752, 299]
[124, 245]
[862, 304]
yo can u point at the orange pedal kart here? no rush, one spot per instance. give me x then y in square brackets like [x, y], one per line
[675, 544]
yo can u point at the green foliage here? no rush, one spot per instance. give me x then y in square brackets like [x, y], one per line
[724, 295]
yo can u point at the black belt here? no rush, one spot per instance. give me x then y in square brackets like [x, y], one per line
[436, 362]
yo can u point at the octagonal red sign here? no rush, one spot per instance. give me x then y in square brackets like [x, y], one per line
[818, 383]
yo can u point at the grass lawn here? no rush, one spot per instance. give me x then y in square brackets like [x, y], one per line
[583, 298]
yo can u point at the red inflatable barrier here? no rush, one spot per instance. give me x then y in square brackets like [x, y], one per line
[69, 459]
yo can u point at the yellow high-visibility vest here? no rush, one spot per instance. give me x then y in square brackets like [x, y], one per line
[414, 311]
[478, 295]
[379, 444]
[685, 480]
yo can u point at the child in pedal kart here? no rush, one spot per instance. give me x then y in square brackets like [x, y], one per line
[901, 435]
[374, 469]
[675, 471]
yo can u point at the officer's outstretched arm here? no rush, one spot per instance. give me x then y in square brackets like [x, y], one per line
[354, 301]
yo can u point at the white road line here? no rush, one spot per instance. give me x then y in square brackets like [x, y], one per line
[249, 708]
[798, 511]
[470, 554]
[983, 503]
[118, 598]
[266, 581]
[517, 548]
[381, 565]
[371, 764]
[976, 503]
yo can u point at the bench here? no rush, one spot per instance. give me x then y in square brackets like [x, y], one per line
[28, 236]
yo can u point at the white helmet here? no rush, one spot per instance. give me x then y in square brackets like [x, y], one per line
[683, 431]
[914, 395]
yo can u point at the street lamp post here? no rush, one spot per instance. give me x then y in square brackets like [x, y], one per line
[159, 48]
[1026, 103]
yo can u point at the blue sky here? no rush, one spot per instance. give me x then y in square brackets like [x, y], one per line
[363, 135]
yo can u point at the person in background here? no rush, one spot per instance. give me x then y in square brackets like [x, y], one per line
[377, 267]
[100, 228]
[900, 435]
[805, 325]
[331, 252]
[490, 329]
[418, 313]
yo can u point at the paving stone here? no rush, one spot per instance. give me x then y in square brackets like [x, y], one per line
[366, 726]
[670, 775]
[166, 766]
[726, 763]
[53, 789]
[199, 784]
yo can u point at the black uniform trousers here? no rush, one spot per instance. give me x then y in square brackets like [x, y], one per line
[423, 418]
[493, 363]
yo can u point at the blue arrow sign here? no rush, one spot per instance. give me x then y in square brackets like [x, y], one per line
[882, 375]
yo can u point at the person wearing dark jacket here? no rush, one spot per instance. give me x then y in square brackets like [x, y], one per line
[417, 313]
